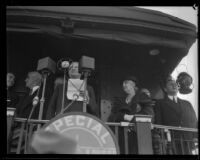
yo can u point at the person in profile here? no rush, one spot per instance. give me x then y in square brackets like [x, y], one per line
[55, 105]
[33, 83]
[12, 97]
[173, 111]
[124, 108]
[26, 106]
[12, 100]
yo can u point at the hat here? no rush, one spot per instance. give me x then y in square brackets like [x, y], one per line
[46, 142]
[132, 78]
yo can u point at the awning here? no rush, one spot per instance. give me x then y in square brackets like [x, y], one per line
[131, 25]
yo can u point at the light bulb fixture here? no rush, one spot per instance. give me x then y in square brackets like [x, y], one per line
[154, 52]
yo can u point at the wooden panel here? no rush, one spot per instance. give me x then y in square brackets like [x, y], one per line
[106, 107]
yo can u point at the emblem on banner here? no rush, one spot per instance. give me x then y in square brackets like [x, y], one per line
[90, 133]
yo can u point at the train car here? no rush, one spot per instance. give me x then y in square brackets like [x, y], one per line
[122, 40]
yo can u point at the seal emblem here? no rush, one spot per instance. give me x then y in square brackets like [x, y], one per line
[90, 133]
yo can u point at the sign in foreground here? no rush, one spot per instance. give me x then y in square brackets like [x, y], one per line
[92, 135]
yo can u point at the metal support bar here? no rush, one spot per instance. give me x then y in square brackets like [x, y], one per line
[20, 138]
[42, 99]
[116, 132]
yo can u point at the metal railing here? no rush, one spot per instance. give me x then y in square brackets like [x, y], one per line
[141, 137]
[175, 140]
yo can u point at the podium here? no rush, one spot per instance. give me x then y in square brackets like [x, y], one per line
[10, 117]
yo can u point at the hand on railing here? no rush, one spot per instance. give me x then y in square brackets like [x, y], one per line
[128, 117]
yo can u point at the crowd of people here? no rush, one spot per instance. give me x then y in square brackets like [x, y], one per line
[170, 111]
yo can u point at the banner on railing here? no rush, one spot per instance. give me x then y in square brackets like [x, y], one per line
[92, 135]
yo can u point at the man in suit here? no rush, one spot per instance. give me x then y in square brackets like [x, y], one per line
[55, 104]
[173, 111]
[12, 100]
[24, 107]
[12, 97]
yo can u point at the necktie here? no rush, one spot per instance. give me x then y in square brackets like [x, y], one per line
[174, 100]
[30, 93]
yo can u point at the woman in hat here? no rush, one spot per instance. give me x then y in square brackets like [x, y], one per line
[136, 102]
[124, 108]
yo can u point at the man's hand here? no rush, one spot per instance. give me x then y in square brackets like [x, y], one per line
[128, 117]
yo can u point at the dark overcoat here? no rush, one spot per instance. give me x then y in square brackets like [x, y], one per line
[55, 103]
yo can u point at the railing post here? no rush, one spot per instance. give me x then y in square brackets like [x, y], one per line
[21, 130]
[10, 117]
[169, 142]
[143, 131]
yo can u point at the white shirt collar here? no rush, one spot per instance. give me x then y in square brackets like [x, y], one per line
[34, 89]
[171, 97]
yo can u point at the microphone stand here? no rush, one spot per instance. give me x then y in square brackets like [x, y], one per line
[45, 73]
[86, 74]
[65, 64]
[27, 129]
[63, 94]
[64, 109]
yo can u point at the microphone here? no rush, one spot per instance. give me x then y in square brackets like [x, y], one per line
[75, 96]
[46, 65]
[36, 98]
[64, 63]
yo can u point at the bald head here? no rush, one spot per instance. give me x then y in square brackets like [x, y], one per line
[33, 79]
